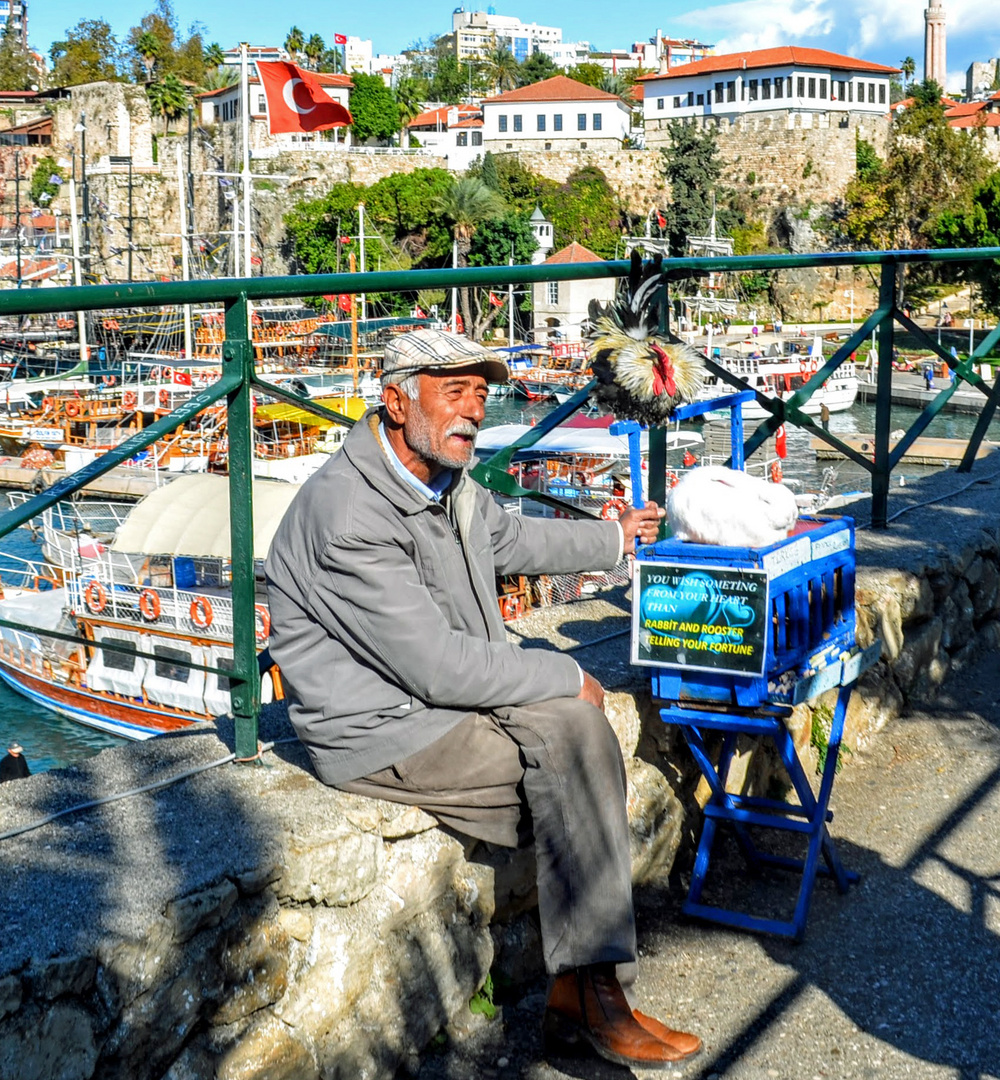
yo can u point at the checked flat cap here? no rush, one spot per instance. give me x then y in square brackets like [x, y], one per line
[435, 350]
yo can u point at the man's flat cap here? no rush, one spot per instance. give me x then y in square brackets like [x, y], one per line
[436, 350]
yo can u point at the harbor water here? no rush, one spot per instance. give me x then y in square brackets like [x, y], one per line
[51, 741]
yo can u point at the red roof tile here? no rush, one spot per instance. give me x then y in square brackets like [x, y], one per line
[469, 122]
[434, 117]
[574, 253]
[761, 58]
[558, 88]
[983, 119]
[965, 108]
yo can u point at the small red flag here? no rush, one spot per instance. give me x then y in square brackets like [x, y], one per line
[344, 301]
[419, 313]
[296, 100]
[340, 39]
[661, 220]
[495, 300]
[781, 442]
[182, 378]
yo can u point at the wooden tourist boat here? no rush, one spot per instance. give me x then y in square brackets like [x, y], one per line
[155, 578]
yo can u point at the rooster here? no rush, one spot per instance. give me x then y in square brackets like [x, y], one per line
[641, 376]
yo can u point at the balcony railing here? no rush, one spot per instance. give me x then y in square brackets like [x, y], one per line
[238, 381]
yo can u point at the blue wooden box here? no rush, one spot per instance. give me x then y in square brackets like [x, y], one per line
[809, 623]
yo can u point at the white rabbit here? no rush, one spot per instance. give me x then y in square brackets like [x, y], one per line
[714, 505]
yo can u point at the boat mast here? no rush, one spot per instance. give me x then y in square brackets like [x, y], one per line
[185, 266]
[74, 225]
[247, 180]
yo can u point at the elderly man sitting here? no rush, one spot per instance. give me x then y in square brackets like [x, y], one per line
[403, 686]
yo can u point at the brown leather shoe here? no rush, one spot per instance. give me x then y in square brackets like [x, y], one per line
[587, 1008]
[686, 1045]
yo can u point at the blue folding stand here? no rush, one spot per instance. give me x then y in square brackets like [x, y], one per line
[810, 648]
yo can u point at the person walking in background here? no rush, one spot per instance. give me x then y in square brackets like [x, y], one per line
[929, 377]
[824, 416]
[13, 766]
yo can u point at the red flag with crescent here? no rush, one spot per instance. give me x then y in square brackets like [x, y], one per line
[296, 100]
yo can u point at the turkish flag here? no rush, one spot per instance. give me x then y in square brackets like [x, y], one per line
[181, 378]
[495, 300]
[296, 100]
[340, 39]
[660, 220]
[781, 442]
[344, 301]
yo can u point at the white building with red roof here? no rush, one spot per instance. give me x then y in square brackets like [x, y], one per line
[561, 307]
[223, 106]
[555, 114]
[454, 132]
[790, 86]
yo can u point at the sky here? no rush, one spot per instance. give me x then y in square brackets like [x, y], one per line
[877, 30]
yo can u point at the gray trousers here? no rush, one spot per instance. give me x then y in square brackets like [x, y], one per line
[551, 773]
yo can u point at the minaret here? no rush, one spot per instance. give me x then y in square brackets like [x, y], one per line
[934, 43]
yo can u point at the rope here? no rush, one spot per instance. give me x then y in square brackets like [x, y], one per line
[932, 502]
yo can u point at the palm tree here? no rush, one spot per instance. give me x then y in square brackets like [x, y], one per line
[502, 69]
[294, 42]
[168, 97]
[908, 67]
[214, 56]
[616, 84]
[409, 104]
[220, 77]
[150, 50]
[466, 205]
[314, 49]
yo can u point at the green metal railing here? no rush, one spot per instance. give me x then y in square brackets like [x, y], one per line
[238, 380]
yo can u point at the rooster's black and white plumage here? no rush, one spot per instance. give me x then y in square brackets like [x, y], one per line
[641, 374]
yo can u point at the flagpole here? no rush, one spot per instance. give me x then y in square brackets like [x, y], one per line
[81, 316]
[510, 306]
[245, 95]
[354, 327]
[361, 238]
[454, 289]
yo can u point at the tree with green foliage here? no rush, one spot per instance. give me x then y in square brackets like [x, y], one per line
[488, 172]
[332, 60]
[589, 73]
[220, 77]
[502, 69]
[89, 53]
[692, 168]
[616, 84]
[149, 48]
[907, 69]
[313, 50]
[449, 81]
[585, 209]
[467, 205]
[294, 42]
[536, 67]
[214, 56]
[168, 98]
[497, 240]
[376, 115]
[43, 188]
[409, 104]
[17, 70]
[977, 225]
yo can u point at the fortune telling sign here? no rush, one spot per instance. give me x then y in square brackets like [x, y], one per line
[705, 618]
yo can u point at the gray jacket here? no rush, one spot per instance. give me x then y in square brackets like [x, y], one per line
[384, 614]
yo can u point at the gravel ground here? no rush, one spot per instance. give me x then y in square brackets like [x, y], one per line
[900, 978]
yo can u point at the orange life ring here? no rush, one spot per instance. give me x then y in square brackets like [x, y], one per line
[511, 608]
[48, 403]
[109, 380]
[129, 399]
[95, 596]
[262, 623]
[776, 474]
[149, 605]
[201, 612]
[164, 398]
[613, 509]
[72, 409]
[672, 478]
[111, 324]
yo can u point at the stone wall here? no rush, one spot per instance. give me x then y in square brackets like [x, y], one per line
[248, 922]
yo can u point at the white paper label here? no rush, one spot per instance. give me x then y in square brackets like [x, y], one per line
[828, 545]
[787, 557]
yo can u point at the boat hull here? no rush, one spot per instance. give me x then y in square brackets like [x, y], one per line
[126, 718]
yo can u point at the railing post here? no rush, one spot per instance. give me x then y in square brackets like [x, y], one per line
[237, 353]
[883, 396]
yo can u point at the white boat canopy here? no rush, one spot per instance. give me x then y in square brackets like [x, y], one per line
[591, 441]
[190, 516]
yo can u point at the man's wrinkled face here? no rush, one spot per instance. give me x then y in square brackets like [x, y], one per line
[441, 425]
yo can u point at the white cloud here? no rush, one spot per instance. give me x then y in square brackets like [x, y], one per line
[762, 24]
